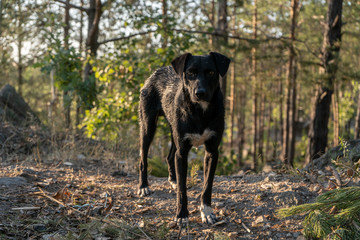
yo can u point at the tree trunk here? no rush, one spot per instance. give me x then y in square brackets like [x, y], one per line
[52, 104]
[66, 101]
[164, 24]
[255, 90]
[241, 124]
[1, 15]
[290, 95]
[261, 125]
[281, 112]
[220, 40]
[19, 46]
[268, 134]
[232, 89]
[318, 132]
[92, 45]
[78, 104]
[336, 115]
[357, 121]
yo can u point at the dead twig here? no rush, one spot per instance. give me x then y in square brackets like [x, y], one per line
[337, 176]
[43, 194]
[246, 228]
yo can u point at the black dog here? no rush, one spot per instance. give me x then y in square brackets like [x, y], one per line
[188, 95]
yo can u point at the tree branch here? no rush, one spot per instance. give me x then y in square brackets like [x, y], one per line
[191, 31]
[126, 37]
[73, 6]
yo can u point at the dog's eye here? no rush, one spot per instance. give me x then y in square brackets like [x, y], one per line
[191, 74]
[211, 73]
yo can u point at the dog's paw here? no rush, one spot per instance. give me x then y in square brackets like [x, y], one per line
[184, 222]
[172, 183]
[207, 215]
[144, 191]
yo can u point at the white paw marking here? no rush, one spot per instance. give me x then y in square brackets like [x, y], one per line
[196, 139]
[207, 214]
[144, 192]
[182, 221]
[172, 183]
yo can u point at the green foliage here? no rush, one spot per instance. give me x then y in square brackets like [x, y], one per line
[157, 167]
[67, 65]
[334, 215]
[195, 167]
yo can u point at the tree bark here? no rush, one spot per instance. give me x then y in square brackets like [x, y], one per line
[241, 124]
[66, 101]
[164, 24]
[78, 104]
[357, 120]
[290, 95]
[232, 89]
[221, 40]
[94, 14]
[336, 115]
[255, 91]
[19, 46]
[318, 132]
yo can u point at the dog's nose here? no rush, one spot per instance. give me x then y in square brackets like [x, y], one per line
[200, 93]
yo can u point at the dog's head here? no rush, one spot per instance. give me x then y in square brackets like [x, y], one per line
[201, 74]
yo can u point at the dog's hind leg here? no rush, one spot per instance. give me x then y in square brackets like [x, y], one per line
[171, 164]
[210, 162]
[147, 132]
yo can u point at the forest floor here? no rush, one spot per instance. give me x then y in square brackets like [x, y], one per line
[92, 201]
[50, 190]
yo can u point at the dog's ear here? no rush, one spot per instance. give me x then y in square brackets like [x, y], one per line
[222, 62]
[179, 63]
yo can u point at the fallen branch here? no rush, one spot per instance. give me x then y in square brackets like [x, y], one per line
[25, 208]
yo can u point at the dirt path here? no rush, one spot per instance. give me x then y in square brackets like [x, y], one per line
[100, 206]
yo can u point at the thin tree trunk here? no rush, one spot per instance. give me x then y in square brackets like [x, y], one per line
[241, 124]
[261, 124]
[1, 15]
[281, 112]
[20, 67]
[19, 46]
[255, 89]
[335, 101]
[232, 90]
[318, 132]
[357, 121]
[78, 104]
[268, 134]
[52, 103]
[292, 129]
[66, 101]
[290, 95]
[164, 23]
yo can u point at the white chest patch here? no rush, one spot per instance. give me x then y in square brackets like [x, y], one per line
[196, 139]
[204, 105]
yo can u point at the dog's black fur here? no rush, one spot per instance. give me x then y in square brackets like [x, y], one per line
[188, 95]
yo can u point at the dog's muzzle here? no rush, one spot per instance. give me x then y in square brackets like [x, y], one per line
[200, 93]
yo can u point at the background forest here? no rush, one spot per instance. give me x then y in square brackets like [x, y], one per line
[292, 89]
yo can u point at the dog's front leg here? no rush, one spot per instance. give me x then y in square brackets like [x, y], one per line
[181, 166]
[210, 162]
